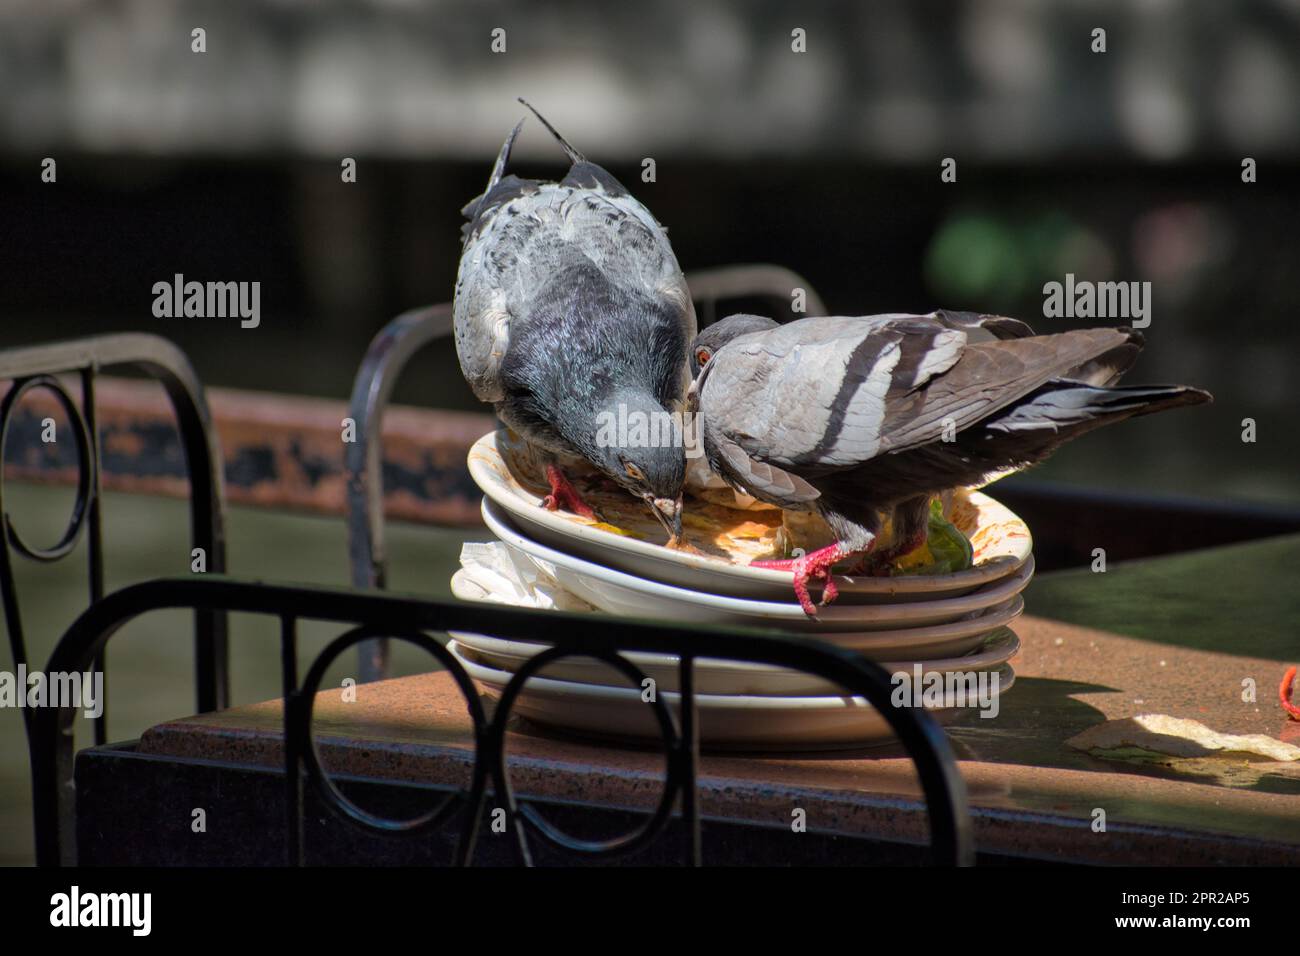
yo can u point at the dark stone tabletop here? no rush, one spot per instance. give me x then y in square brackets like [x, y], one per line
[1175, 636]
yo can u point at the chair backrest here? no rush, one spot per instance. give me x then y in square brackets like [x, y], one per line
[47, 368]
[367, 614]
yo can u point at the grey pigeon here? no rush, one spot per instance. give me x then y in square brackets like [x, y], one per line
[848, 416]
[571, 316]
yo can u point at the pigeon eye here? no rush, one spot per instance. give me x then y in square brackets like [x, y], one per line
[633, 471]
[703, 356]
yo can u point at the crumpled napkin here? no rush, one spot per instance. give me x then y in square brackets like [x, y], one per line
[508, 577]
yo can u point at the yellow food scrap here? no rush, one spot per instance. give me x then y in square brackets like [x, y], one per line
[614, 529]
[919, 558]
[750, 530]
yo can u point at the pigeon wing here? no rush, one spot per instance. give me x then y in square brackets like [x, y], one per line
[990, 376]
[759, 479]
[981, 327]
[812, 396]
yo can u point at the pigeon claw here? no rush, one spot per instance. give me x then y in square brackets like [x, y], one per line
[801, 592]
[815, 566]
[564, 495]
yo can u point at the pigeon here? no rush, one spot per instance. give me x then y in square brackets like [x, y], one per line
[860, 417]
[571, 316]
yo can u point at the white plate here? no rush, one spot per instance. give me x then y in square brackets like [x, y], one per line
[725, 722]
[714, 676]
[625, 594]
[1000, 539]
[914, 643]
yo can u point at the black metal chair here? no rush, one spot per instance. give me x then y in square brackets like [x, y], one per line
[39, 367]
[369, 615]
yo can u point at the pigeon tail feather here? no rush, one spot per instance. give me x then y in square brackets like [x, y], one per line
[503, 157]
[575, 157]
[472, 208]
[1060, 412]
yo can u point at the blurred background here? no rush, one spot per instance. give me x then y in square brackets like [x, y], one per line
[1123, 165]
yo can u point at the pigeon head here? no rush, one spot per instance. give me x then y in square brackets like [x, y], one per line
[723, 331]
[638, 444]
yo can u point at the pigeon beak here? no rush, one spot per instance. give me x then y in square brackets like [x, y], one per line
[669, 513]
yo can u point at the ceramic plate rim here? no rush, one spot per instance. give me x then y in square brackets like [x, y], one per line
[1008, 647]
[554, 688]
[772, 610]
[503, 494]
[1003, 613]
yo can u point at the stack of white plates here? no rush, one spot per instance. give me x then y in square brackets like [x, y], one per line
[949, 624]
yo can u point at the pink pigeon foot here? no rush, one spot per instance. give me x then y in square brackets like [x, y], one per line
[564, 495]
[815, 566]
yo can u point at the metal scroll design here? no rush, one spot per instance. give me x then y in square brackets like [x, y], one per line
[391, 350]
[369, 614]
[38, 368]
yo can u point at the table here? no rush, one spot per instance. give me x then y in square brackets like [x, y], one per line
[1175, 635]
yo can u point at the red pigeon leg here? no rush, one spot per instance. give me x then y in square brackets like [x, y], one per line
[815, 566]
[564, 495]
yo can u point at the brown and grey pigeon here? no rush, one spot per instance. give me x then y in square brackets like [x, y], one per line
[861, 417]
[571, 315]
